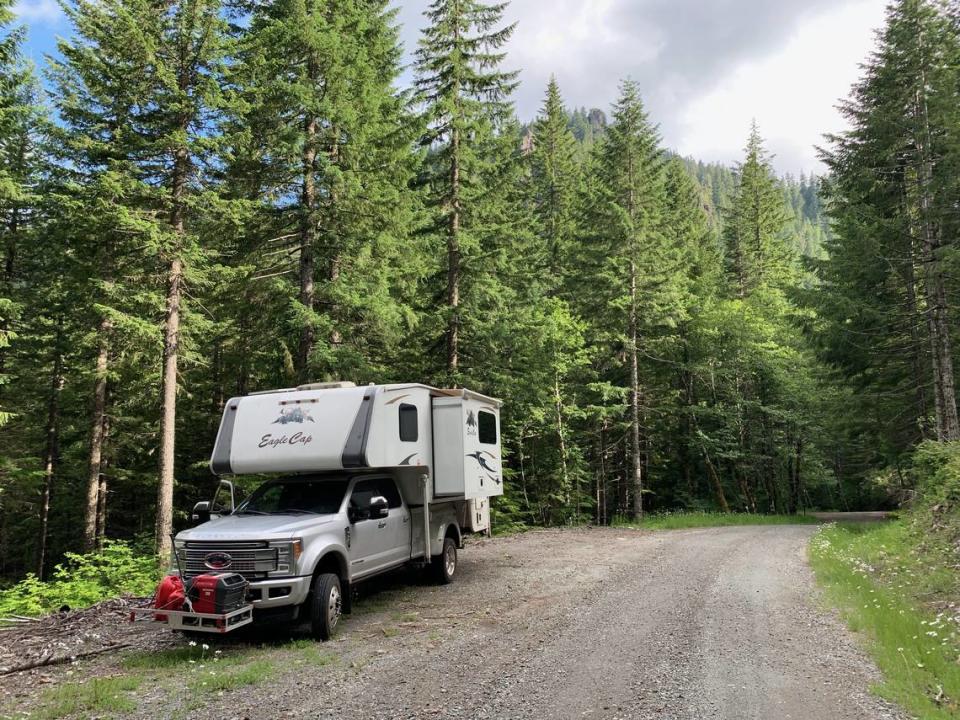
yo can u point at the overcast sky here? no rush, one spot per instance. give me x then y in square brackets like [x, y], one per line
[706, 67]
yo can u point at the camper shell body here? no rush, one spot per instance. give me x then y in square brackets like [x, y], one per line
[429, 457]
[452, 435]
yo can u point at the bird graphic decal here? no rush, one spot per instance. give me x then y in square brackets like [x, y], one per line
[471, 423]
[479, 457]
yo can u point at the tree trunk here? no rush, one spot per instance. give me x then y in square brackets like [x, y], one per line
[333, 274]
[711, 470]
[637, 465]
[52, 447]
[308, 237]
[453, 259]
[9, 265]
[748, 502]
[910, 283]
[168, 413]
[948, 423]
[715, 479]
[102, 492]
[561, 440]
[602, 513]
[96, 437]
[796, 482]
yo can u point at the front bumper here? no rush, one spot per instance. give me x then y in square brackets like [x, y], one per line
[277, 592]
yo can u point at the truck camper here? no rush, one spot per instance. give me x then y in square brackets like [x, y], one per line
[357, 481]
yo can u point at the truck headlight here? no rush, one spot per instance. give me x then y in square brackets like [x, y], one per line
[178, 555]
[287, 555]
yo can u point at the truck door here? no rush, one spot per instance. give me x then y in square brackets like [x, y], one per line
[371, 540]
[398, 524]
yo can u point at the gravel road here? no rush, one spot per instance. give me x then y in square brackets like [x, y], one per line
[601, 623]
[717, 623]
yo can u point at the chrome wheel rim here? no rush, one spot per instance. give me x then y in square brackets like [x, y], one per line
[333, 606]
[450, 560]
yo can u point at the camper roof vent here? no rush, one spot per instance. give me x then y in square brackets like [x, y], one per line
[327, 386]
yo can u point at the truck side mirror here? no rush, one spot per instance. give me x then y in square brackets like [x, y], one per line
[201, 512]
[379, 507]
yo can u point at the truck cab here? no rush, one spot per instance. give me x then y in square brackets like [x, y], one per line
[352, 492]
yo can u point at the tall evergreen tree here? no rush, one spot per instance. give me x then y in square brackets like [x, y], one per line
[15, 88]
[323, 137]
[555, 180]
[627, 252]
[139, 90]
[754, 222]
[892, 196]
[466, 101]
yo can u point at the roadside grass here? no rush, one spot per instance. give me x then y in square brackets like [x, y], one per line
[181, 657]
[197, 665]
[219, 680]
[681, 520]
[91, 698]
[897, 596]
[310, 652]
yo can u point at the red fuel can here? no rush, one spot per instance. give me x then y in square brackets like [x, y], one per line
[169, 596]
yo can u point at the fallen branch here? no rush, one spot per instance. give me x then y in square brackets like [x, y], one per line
[47, 661]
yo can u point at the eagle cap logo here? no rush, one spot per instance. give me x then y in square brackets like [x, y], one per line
[471, 423]
[293, 415]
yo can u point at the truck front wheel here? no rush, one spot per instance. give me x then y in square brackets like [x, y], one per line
[326, 605]
[445, 564]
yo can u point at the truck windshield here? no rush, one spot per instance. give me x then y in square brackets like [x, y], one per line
[296, 495]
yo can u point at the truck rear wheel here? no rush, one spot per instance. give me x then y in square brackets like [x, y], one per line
[445, 564]
[326, 605]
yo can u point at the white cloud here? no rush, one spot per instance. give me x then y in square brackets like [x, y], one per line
[792, 94]
[38, 11]
[704, 68]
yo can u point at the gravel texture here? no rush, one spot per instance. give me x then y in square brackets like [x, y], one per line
[600, 623]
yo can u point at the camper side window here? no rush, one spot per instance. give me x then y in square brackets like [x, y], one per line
[487, 428]
[408, 423]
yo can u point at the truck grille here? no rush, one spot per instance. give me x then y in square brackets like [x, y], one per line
[250, 559]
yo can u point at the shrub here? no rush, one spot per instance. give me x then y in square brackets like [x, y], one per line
[83, 580]
[934, 515]
[936, 466]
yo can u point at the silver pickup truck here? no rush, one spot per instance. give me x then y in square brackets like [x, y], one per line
[303, 541]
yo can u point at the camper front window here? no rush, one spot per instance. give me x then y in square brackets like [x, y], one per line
[298, 494]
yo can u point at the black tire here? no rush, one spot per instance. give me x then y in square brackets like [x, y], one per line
[325, 605]
[444, 565]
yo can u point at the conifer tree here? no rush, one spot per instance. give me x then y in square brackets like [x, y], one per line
[892, 193]
[24, 304]
[138, 92]
[555, 180]
[755, 221]
[627, 253]
[15, 88]
[325, 140]
[466, 102]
